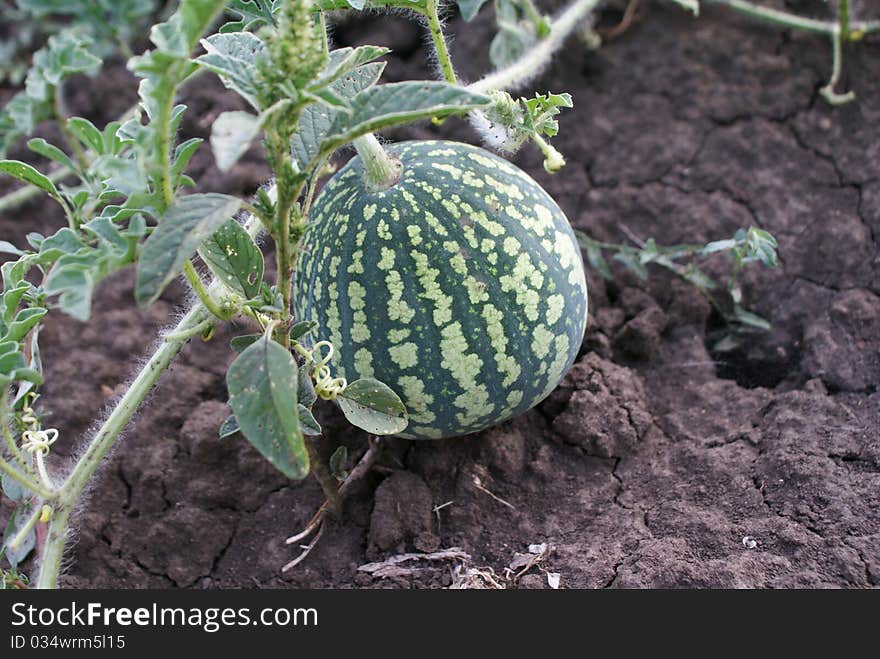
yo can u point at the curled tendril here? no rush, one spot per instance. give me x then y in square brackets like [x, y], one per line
[37, 441]
[326, 386]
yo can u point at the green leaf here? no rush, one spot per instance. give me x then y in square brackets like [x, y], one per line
[509, 44]
[86, 132]
[7, 247]
[372, 406]
[233, 58]
[186, 224]
[234, 258]
[25, 321]
[470, 8]
[252, 14]
[16, 555]
[180, 34]
[397, 103]
[307, 395]
[50, 151]
[316, 119]
[346, 60]
[307, 422]
[13, 489]
[337, 463]
[302, 328]
[24, 172]
[231, 136]
[229, 427]
[262, 383]
[239, 343]
[749, 318]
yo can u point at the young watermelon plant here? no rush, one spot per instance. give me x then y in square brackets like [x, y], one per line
[431, 289]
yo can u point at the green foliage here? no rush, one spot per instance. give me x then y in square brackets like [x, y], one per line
[252, 14]
[470, 8]
[519, 26]
[186, 224]
[234, 259]
[512, 122]
[262, 383]
[374, 407]
[751, 245]
[65, 54]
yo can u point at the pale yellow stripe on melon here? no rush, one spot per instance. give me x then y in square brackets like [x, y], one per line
[398, 335]
[427, 277]
[452, 170]
[405, 355]
[556, 369]
[417, 401]
[507, 364]
[555, 305]
[363, 363]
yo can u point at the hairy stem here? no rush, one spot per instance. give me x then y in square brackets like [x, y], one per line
[73, 486]
[436, 29]
[787, 19]
[61, 117]
[201, 291]
[539, 55]
[381, 170]
[323, 475]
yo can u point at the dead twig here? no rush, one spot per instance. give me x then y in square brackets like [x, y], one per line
[629, 15]
[316, 524]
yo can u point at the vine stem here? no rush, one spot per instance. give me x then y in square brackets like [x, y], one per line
[856, 30]
[436, 28]
[539, 55]
[381, 170]
[76, 481]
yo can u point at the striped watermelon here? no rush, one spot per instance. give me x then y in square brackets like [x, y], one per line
[461, 287]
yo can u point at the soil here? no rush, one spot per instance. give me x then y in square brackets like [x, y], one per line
[661, 461]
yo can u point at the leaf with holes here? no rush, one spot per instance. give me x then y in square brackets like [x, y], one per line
[372, 406]
[234, 259]
[185, 225]
[262, 383]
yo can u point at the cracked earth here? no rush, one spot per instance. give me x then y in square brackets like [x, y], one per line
[660, 453]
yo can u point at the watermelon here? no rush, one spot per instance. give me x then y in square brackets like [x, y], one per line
[461, 286]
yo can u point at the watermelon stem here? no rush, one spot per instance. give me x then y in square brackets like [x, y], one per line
[381, 170]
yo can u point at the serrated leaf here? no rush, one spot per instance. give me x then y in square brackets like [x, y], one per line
[262, 383]
[372, 406]
[470, 8]
[252, 14]
[231, 136]
[396, 103]
[345, 60]
[24, 172]
[234, 259]
[315, 120]
[307, 422]
[185, 225]
[233, 57]
[229, 427]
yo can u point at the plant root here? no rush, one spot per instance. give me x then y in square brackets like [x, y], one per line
[316, 524]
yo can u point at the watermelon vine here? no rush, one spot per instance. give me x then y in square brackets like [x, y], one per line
[431, 289]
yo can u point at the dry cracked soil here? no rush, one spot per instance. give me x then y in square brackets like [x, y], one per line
[678, 452]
